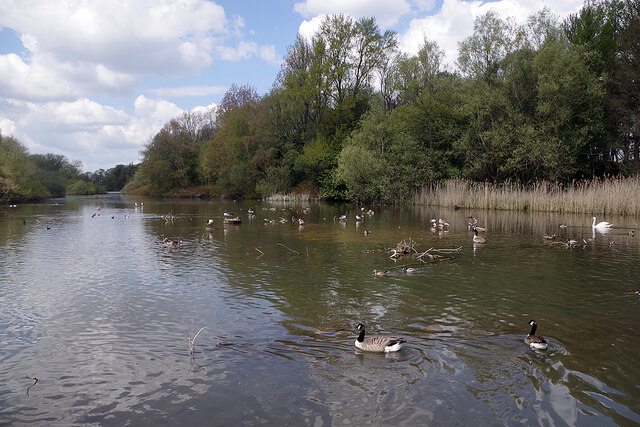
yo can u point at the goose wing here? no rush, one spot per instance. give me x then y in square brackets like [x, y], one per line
[378, 343]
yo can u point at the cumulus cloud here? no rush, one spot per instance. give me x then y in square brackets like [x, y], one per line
[454, 21]
[387, 13]
[85, 130]
[175, 92]
[78, 48]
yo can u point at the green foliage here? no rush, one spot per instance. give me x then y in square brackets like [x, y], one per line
[81, 187]
[351, 116]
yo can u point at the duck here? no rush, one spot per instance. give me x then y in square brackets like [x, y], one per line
[342, 218]
[367, 232]
[534, 341]
[210, 222]
[409, 269]
[472, 222]
[478, 239]
[301, 221]
[377, 344]
[172, 243]
[547, 237]
[380, 272]
[562, 225]
[600, 225]
[632, 233]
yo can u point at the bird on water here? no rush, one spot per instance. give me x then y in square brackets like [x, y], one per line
[377, 344]
[534, 341]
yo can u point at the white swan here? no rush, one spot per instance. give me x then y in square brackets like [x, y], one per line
[600, 225]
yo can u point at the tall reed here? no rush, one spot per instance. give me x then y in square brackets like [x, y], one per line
[609, 196]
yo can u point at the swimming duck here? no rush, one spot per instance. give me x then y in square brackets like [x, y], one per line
[534, 341]
[409, 269]
[378, 344]
[547, 237]
[367, 232]
[632, 233]
[380, 272]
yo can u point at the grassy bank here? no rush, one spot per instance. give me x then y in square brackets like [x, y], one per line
[615, 196]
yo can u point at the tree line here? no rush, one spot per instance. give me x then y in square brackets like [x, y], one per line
[29, 177]
[349, 116]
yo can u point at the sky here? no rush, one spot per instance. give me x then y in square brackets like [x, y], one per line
[95, 80]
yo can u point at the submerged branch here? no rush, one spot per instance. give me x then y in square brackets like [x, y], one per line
[35, 381]
[285, 246]
[192, 341]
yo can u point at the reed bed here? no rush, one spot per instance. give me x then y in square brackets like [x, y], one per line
[620, 196]
[298, 197]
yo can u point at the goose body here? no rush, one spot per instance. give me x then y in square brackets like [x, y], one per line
[534, 341]
[600, 225]
[377, 344]
[478, 239]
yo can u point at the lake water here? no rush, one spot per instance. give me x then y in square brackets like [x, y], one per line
[97, 308]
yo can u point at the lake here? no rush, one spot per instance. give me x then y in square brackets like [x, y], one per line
[97, 307]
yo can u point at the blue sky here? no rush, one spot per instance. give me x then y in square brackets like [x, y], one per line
[95, 80]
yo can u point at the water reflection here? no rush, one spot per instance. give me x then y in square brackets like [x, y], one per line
[99, 308]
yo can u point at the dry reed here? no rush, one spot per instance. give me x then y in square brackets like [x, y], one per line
[620, 196]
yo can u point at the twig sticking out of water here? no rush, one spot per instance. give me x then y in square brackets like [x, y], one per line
[434, 254]
[285, 246]
[261, 253]
[192, 341]
[35, 381]
[168, 218]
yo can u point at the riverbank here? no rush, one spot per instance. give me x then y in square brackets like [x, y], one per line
[613, 196]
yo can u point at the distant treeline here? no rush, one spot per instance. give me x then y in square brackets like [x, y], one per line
[28, 177]
[351, 117]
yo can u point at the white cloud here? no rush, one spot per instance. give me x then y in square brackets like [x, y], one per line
[81, 48]
[245, 50]
[454, 22]
[387, 13]
[175, 92]
[100, 136]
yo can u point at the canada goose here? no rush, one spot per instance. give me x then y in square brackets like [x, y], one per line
[600, 225]
[409, 269]
[535, 341]
[380, 272]
[478, 239]
[377, 344]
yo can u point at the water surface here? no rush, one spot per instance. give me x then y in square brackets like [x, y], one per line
[98, 308]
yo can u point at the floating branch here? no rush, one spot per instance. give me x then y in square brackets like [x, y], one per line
[285, 246]
[35, 381]
[168, 218]
[261, 253]
[408, 248]
[192, 341]
[229, 344]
